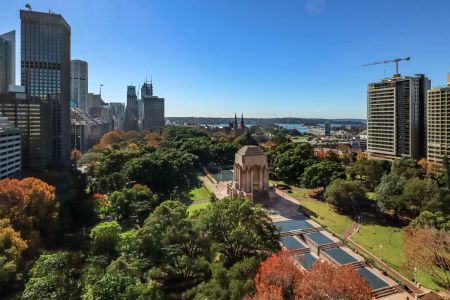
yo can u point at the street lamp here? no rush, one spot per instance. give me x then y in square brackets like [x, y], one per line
[381, 246]
[415, 275]
[334, 215]
[317, 208]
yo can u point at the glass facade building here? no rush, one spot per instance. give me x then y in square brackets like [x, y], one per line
[45, 66]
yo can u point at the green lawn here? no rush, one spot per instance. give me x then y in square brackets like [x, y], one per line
[391, 239]
[196, 206]
[370, 195]
[299, 192]
[327, 217]
[200, 193]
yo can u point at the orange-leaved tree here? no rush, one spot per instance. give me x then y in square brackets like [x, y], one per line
[30, 205]
[277, 277]
[327, 281]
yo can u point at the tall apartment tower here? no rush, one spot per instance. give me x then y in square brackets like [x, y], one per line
[438, 121]
[153, 108]
[79, 83]
[131, 111]
[396, 117]
[45, 63]
[7, 61]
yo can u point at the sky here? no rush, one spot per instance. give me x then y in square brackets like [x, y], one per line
[278, 58]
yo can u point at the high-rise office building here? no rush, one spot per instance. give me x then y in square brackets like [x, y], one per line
[131, 111]
[25, 114]
[79, 83]
[153, 111]
[45, 63]
[118, 110]
[438, 123]
[9, 149]
[396, 117]
[7, 61]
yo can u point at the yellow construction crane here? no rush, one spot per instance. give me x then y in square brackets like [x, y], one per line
[396, 60]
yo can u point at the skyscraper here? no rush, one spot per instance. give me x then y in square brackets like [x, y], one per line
[396, 117]
[45, 62]
[153, 108]
[79, 83]
[131, 111]
[438, 117]
[10, 148]
[7, 61]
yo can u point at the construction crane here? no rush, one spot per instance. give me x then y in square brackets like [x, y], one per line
[396, 60]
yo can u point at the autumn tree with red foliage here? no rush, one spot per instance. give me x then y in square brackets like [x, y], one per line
[327, 281]
[279, 277]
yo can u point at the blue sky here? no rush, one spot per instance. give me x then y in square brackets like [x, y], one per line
[264, 58]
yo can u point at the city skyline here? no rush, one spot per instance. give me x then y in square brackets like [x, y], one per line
[249, 57]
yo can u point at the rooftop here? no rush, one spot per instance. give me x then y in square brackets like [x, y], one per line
[250, 151]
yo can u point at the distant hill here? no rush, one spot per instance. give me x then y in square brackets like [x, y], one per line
[265, 121]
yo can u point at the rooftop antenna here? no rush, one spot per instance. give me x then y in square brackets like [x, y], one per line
[28, 6]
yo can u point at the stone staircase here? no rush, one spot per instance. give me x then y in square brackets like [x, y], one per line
[386, 291]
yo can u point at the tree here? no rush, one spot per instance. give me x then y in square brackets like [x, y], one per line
[246, 139]
[30, 204]
[143, 291]
[162, 170]
[369, 172]
[388, 193]
[233, 283]
[240, 228]
[277, 277]
[327, 281]
[322, 173]
[176, 248]
[105, 237]
[417, 195]
[53, 276]
[428, 249]
[131, 205]
[435, 220]
[11, 248]
[112, 286]
[288, 161]
[346, 196]
[405, 167]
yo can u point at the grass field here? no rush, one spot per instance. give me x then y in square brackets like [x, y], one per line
[371, 236]
[196, 206]
[200, 193]
[327, 217]
[299, 192]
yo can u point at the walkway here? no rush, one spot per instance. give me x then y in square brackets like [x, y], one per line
[351, 230]
[219, 189]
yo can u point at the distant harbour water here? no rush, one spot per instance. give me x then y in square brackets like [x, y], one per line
[299, 127]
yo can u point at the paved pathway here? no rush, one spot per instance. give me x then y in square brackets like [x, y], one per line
[353, 227]
[219, 189]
